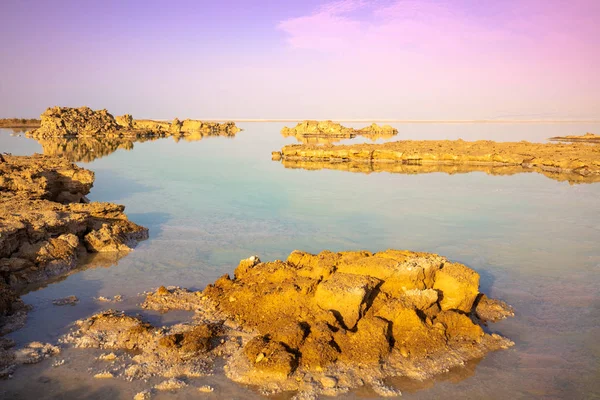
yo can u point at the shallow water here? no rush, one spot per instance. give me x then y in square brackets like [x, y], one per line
[212, 202]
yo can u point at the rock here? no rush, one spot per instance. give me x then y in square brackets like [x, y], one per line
[58, 124]
[107, 357]
[588, 137]
[330, 129]
[46, 223]
[459, 326]
[35, 352]
[70, 300]
[125, 121]
[104, 375]
[328, 381]
[82, 121]
[319, 324]
[271, 360]
[492, 310]
[346, 295]
[458, 287]
[206, 389]
[176, 351]
[143, 395]
[245, 265]
[171, 384]
[575, 162]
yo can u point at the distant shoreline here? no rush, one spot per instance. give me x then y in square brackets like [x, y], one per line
[411, 121]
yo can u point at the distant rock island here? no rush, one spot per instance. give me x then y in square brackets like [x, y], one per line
[333, 130]
[588, 137]
[85, 122]
[576, 163]
[19, 123]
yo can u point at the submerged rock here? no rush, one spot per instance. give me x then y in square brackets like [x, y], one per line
[70, 300]
[576, 163]
[317, 324]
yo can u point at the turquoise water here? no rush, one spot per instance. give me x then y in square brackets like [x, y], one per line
[210, 203]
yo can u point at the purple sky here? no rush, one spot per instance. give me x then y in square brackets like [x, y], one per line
[402, 59]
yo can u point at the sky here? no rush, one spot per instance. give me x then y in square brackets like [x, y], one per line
[345, 59]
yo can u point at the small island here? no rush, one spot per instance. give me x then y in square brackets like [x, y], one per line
[587, 138]
[329, 130]
[573, 162]
[315, 324]
[85, 122]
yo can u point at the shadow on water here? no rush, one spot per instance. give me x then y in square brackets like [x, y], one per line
[151, 220]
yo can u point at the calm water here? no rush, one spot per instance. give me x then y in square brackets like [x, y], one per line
[210, 203]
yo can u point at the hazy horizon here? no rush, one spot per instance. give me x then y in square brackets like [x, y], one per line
[342, 60]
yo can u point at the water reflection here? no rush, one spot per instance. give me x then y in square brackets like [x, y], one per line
[88, 149]
[450, 169]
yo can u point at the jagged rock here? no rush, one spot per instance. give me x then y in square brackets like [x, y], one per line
[317, 324]
[126, 121]
[46, 222]
[82, 121]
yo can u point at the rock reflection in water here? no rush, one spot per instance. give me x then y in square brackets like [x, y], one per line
[314, 139]
[450, 169]
[88, 149]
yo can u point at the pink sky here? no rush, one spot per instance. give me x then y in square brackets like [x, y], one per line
[445, 59]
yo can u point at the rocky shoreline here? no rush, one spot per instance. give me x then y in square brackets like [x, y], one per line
[47, 225]
[572, 162]
[314, 324]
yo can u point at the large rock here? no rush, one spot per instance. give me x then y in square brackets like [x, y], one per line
[82, 121]
[315, 323]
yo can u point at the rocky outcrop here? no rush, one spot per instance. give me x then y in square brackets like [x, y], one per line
[63, 124]
[189, 126]
[576, 163]
[307, 130]
[316, 324]
[47, 223]
[82, 121]
[587, 138]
